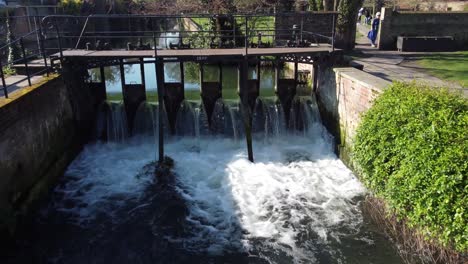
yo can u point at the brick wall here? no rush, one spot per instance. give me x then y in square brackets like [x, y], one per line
[344, 94]
[394, 24]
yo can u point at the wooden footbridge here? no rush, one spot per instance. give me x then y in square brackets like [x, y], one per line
[98, 41]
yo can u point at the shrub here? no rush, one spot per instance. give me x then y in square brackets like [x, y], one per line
[411, 149]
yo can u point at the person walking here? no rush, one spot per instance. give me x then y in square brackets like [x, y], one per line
[360, 15]
[372, 35]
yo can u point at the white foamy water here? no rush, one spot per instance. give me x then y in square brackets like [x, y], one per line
[295, 187]
[296, 201]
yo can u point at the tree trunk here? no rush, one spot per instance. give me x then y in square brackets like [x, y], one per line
[346, 24]
[328, 5]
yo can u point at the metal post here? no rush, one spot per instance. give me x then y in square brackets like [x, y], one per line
[201, 76]
[246, 35]
[315, 78]
[258, 74]
[5, 90]
[182, 76]
[233, 23]
[220, 75]
[103, 76]
[333, 33]
[159, 66]
[41, 46]
[296, 72]
[277, 74]
[25, 61]
[59, 43]
[247, 113]
[142, 72]
[302, 25]
[122, 74]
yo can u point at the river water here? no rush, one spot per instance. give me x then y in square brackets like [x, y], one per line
[298, 203]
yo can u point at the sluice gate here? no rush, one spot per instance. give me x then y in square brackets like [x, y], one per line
[157, 41]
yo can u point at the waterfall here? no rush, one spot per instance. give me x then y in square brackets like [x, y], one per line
[117, 129]
[268, 119]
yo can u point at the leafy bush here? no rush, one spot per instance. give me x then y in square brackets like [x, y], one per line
[411, 149]
[71, 7]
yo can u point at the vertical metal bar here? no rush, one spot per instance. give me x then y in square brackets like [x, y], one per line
[103, 76]
[41, 46]
[160, 82]
[277, 74]
[5, 90]
[234, 31]
[302, 25]
[315, 78]
[296, 72]
[59, 43]
[201, 76]
[25, 61]
[182, 75]
[258, 74]
[220, 76]
[142, 73]
[247, 113]
[333, 33]
[246, 35]
[159, 68]
[122, 74]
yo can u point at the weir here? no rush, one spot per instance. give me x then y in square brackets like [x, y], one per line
[213, 101]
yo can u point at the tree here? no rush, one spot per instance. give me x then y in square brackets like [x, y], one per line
[346, 24]
[13, 49]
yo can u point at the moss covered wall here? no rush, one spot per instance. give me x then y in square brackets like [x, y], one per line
[37, 142]
[343, 94]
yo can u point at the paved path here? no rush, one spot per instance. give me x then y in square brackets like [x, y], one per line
[394, 65]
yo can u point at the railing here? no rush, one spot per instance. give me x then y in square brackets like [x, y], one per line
[24, 58]
[79, 32]
[56, 33]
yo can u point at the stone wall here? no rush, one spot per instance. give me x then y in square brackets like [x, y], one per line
[37, 134]
[394, 24]
[344, 94]
[42, 129]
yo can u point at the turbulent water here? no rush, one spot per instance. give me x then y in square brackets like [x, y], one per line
[297, 203]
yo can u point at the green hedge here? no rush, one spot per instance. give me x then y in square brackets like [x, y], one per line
[411, 149]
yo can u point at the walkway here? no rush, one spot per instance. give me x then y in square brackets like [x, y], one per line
[19, 84]
[394, 65]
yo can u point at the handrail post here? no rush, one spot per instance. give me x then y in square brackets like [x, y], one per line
[25, 61]
[333, 33]
[59, 43]
[5, 90]
[41, 46]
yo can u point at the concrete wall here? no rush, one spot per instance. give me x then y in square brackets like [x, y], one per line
[344, 94]
[37, 134]
[443, 6]
[394, 24]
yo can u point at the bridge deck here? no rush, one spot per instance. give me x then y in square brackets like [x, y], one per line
[195, 52]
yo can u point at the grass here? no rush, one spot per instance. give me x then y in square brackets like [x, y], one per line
[7, 71]
[448, 66]
[265, 24]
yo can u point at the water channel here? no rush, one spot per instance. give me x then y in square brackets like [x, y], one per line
[298, 203]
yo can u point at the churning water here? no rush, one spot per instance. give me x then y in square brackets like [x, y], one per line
[297, 203]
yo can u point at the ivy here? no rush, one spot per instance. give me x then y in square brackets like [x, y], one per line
[411, 149]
